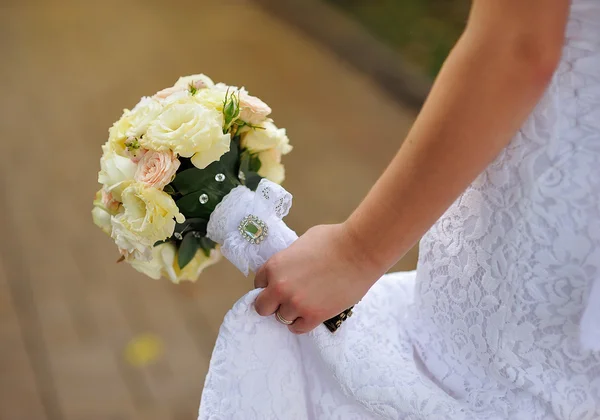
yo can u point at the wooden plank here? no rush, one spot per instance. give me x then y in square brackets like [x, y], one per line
[19, 392]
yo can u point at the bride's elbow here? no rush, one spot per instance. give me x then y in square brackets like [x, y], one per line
[539, 58]
[525, 56]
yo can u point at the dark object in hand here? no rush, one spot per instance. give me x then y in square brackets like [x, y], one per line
[336, 322]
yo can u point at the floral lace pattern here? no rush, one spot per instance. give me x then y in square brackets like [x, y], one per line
[488, 327]
[505, 274]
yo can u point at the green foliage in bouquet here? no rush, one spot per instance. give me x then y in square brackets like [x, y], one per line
[198, 191]
[235, 168]
[171, 160]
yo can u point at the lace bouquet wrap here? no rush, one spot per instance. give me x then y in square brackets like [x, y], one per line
[193, 173]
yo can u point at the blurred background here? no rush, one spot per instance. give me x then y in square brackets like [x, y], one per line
[82, 337]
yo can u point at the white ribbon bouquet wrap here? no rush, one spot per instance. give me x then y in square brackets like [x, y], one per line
[249, 227]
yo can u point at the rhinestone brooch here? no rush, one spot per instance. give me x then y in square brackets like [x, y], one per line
[253, 229]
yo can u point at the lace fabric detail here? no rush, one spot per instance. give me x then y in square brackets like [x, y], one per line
[488, 328]
[270, 203]
[505, 275]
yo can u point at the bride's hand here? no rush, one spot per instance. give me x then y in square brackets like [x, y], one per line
[323, 273]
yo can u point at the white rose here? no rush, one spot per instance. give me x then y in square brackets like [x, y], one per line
[252, 109]
[270, 166]
[189, 130]
[116, 172]
[198, 80]
[266, 136]
[140, 117]
[130, 243]
[152, 267]
[149, 216]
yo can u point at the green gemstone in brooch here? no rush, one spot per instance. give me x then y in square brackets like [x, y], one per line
[253, 229]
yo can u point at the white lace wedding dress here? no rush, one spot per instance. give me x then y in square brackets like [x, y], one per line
[488, 325]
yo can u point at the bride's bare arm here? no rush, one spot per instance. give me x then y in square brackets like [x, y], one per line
[489, 84]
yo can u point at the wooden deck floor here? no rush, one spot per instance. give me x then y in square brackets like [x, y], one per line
[67, 311]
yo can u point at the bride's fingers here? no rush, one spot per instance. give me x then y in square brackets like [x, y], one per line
[260, 278]
[266, 302]
[302, 326]
[288, 313]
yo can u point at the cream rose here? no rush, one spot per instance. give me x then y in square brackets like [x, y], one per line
[189, 130]
[270, 166]
[198, 80]
[157, 169]
[101, 219]
[130, 243]
[213, 98]
[144, 113]
[252, 109]
[149, 216]
[266, 136]
[164, 263]
[116, 172]
[152, 267]
[117, 134]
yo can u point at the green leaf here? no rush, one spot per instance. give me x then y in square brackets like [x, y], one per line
[162, 242]
[255, 163]
[192, 225]
[250, 165]
[187, 250]
[207, 245]
[193, 179]
[169, 189]
[191, 207]
[252, 180]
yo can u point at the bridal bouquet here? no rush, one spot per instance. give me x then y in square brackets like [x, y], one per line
[192, 173]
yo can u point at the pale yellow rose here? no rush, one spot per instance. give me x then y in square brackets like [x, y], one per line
[117, 134]
[190, 130]
[157, 169]
[142, 115]
[212, 98]
[164, 264]
[153, 267]
[149, 216]
[252, 109]
[198, 80]
[270, 166]
[116, 172]
[266, 136]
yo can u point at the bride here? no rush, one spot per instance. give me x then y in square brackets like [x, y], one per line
[502, 317]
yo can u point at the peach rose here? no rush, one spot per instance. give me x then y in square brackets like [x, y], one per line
[253, 110]
[109, 202]
[157, 169]
[165, 93]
